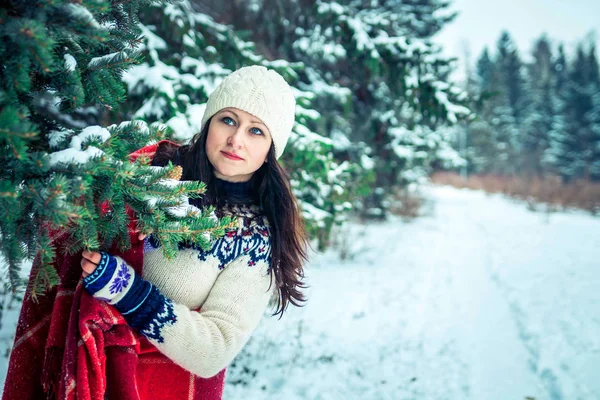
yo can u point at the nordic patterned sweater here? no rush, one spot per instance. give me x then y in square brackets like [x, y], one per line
[200, 307]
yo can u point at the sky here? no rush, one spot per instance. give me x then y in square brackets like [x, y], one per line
[480, 23]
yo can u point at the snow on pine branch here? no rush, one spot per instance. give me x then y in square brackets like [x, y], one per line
[109, 59]
[70, 62]
[330, 7]
[452, 109]
[151, 40]
[81, 14]
[313, 213]
[305, 136]
[74, 154]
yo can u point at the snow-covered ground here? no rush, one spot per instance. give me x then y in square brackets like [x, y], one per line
[478, 299]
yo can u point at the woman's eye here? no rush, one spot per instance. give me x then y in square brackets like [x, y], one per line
[228, 120]
[256, 131]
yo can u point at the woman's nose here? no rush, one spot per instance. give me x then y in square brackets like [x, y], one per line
[235, 139]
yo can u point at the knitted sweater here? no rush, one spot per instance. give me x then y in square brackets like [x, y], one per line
[200, 307]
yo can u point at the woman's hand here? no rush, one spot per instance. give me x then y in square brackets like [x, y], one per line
[106, 277]
[142, 236]
[89, 262]
[90, 259]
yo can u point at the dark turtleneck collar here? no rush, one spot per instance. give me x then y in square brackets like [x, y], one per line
[235, 192]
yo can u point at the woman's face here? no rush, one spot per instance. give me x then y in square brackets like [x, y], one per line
[237, 144]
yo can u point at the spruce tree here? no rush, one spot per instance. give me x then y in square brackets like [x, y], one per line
[379, 83]
[511, 104]
[594, 121]
[557, 157]
[482, 141]
[540, 115]
[571, 141]
[59, 177]
[592, 117]
[398, 81]
[579, 104]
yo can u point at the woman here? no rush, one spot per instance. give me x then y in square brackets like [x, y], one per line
[199, 308]
[246, 125]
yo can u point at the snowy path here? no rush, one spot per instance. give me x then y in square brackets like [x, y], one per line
[481, 299]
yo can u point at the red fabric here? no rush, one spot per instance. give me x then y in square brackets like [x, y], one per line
[149, 150]
[70, 346]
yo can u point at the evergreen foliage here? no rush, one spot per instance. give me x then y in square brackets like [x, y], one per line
[59, 180]
[73, 72]
[538, 118]
[379, 82]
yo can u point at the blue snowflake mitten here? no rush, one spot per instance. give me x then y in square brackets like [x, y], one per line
[141, 303]
[111, 280]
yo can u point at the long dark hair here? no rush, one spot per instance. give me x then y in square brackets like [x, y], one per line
[271, 184]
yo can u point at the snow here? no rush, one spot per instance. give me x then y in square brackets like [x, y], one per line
[70, 62]
[366, 162]
[90, 132]
[332, 7]
[188, 40]
[74, 154]
[318, 85]
[340, 140]
[479, 298]
[307, 112]
[185, 126]
[160, 76]
[452, 109]
[313, 213]
[330, 52]
[82, 15]
[108, 59]
[306, 135]
[151, 40]
[155, 106]
[363, 41]
[185, 210]
[55, 137]
[281, 64]
[392, 43]
[201, 68]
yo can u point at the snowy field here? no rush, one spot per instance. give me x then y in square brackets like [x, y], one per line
[478, 299]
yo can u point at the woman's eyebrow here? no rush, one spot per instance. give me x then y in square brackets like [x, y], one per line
[238, 117]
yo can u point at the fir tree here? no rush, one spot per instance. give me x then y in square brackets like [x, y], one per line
[58, 59]
[482, 142]
[592, 117]
[511, 104]
[579, 104]
[398, 81]
[375, 76]
[485, 72]
[557, 157]
[594, 120]
[572, 140]
[540, 115]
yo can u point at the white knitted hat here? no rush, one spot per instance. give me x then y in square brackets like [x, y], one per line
[261, 92]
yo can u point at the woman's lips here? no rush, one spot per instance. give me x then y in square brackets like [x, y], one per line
[231, 156]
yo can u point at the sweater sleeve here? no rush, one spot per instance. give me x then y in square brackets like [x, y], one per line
[202, 342]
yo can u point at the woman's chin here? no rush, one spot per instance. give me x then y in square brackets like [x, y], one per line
[232, 176]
